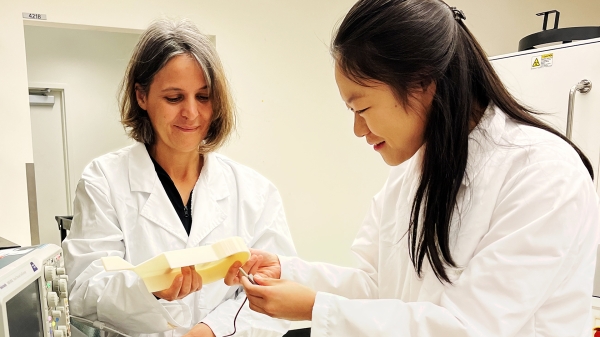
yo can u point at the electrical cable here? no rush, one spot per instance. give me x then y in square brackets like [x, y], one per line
[250, 278]
[235, 318]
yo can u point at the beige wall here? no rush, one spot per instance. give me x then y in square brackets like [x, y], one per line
[275, 53]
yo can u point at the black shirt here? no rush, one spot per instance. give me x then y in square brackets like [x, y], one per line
[184, 211]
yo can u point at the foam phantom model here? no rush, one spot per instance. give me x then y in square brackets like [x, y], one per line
[212, 263]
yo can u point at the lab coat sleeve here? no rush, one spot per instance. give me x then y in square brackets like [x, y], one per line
[117, 298]
[271, 233]
[360, 282]
[543, 232]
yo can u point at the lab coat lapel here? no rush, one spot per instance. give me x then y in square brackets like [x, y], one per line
[157, 208]
[209, 200]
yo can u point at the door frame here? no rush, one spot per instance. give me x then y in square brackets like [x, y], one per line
[62, 89]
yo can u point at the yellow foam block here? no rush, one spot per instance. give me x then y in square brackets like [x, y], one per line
[211, 262]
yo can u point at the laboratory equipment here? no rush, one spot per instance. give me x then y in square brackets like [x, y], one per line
[559, 81]
[33, 292]
[555, 34]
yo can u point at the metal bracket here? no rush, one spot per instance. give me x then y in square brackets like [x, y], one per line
[546, 14]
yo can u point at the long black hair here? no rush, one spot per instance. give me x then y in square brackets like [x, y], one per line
[408, 44]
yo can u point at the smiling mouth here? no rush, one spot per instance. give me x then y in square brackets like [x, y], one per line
[187, 128]
[378, 146]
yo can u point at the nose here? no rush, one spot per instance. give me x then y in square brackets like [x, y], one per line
[360, 126]
[190, 108]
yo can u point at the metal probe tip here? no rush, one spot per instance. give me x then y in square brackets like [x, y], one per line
[248, 276]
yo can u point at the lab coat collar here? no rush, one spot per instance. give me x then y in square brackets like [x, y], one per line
[213, 177]
[142, 175]
[210, 191]
[157, 208]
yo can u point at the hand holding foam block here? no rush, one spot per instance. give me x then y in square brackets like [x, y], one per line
[212, 263]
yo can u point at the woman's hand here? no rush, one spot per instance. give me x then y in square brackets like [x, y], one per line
[280, 298]
[188, 282]
[261, 263]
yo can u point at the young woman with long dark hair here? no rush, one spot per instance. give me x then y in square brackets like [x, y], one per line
[492, 230]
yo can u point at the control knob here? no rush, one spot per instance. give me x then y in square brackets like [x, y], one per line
[52, 299]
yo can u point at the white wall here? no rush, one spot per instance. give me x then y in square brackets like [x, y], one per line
[293, 127]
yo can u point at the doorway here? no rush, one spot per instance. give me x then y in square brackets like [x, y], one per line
[50, 157]
[80, 69]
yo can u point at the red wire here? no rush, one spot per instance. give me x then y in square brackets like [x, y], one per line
[235, 318]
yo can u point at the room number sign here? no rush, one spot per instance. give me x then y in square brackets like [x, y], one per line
[34, 16]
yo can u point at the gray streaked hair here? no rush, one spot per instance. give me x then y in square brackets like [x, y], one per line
[163, 40]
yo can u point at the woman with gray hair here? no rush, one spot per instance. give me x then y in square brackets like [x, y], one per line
[170, 191]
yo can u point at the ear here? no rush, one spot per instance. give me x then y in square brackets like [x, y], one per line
[427, 92]
[428, 87]
[141, 96]
[431, 88]
[421, 97]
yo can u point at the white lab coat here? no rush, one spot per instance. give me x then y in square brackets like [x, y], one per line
[121, 209]
[526, 247]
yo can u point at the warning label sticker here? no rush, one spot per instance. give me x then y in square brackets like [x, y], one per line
[542, 61]
[547, 60]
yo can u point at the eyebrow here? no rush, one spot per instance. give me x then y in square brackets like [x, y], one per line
[354, 96]
[179, 89]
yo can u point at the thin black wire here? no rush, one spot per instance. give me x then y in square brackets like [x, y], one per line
[235, 318]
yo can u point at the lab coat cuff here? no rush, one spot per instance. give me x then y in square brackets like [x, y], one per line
[323, 314]
[217, 326]
[147, 314]
[174, 313]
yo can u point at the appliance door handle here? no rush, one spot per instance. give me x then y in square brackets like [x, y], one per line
[584, 86]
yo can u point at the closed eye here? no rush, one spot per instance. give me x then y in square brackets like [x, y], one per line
[357, 111]
[174, 99]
